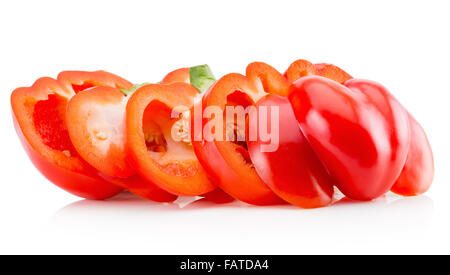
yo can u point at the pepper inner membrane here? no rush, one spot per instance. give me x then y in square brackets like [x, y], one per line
[173, 154]
[236, 128]
[82, 87]
[49, 122]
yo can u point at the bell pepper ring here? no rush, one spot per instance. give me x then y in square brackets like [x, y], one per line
[201, 77]
[158, 142]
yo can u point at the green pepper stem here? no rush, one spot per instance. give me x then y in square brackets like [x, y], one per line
[201, 77]
[133, 89]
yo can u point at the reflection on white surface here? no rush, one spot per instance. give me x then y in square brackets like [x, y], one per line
[240, 228]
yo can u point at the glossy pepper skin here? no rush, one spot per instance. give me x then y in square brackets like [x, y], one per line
[292, 171]
[358, 130]
[418, 172]
[39, 119]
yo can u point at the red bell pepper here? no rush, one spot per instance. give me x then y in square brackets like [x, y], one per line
[417, 174]
[92, 133]
[358, 130]
[39, 119]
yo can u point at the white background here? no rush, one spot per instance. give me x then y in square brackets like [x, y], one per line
[403, 44]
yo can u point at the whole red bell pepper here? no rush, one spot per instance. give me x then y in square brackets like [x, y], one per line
[358, 130]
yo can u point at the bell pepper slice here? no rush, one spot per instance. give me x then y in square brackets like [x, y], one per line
[301, 68]
[159, 145]
[228, 162]
[201, 77]
[358, 130]
[96, 125]
[39, 119]
[293, 170]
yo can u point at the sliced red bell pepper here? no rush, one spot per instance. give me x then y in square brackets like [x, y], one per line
[358, 130]
[96, 124]
[39, 119]
[159, 153]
